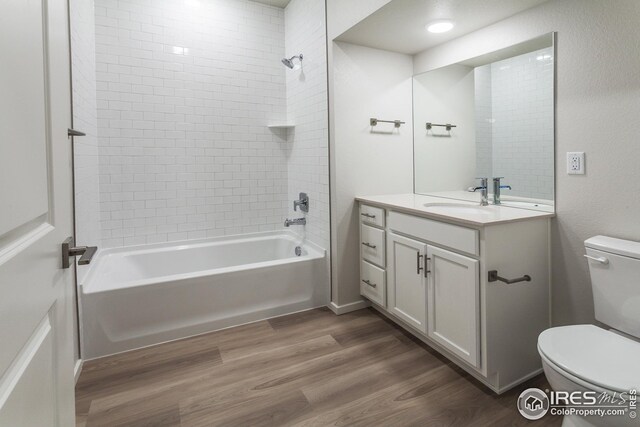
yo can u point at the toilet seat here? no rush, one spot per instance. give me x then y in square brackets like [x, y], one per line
[592, 356]
[572, 378]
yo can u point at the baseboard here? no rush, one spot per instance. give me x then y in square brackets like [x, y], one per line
[520, 381]
[347, 308]
[77, 370]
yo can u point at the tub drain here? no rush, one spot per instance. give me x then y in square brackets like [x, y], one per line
[298, 251]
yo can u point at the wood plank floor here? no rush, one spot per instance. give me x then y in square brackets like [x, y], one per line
[306, 369]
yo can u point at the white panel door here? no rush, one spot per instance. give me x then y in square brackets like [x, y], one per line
[406, 281]
[454, 303]
[36, 344]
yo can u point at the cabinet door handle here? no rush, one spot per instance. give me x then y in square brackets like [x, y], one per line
[368, 215]
[366, 281]
[369, 245]
[418, 268]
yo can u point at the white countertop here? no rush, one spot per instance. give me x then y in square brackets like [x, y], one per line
[484, 215]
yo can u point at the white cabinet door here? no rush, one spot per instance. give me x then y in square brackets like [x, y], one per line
[36, 294]
[454, 303]
[406, 281]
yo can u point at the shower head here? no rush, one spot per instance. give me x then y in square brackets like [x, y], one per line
[288, 62]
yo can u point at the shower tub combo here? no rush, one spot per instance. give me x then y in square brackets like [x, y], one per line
[138, 296]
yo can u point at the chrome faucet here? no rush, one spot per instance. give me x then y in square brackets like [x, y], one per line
[296, 221]
[484, 182]
[496, 190]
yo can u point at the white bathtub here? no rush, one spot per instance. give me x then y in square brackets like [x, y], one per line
[137, 296]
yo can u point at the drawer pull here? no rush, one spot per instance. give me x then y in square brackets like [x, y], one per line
[366, 281]
[369, 245]
[368, 215]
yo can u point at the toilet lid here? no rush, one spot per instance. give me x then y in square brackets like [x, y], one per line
[595, 355]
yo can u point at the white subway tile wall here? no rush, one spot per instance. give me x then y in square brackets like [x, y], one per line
[185, 90]
[522, 138]
[83, 58]
[484, 121]
[308, 157]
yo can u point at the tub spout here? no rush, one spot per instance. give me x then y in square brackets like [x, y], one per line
[296, 221]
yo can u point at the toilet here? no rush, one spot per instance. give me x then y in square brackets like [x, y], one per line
[601, 359]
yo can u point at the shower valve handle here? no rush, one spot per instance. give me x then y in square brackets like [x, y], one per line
[302, 202]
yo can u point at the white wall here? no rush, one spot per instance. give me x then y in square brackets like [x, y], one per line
[342, 15]
[367, 83]
[185, 92]
[308, 144]
[444, 161]
[597, 104]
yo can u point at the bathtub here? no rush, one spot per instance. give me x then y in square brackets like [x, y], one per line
[138, 296]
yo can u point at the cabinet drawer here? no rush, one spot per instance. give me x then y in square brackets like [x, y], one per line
[372, 215]
[373, 284]
[453, 236]
[372, 247]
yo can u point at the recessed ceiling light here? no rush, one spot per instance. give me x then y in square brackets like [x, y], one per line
[441, 26]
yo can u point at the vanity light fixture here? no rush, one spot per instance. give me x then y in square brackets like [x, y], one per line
[441, 26]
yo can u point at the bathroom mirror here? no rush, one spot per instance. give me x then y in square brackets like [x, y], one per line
[489, 116]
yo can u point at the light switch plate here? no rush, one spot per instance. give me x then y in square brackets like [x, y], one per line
[575, 163]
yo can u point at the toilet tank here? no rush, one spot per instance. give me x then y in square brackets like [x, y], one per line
[614, 265]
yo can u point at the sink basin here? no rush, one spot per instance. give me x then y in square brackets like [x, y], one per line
[457, 209]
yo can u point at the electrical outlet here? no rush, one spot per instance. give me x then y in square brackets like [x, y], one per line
[575, 163]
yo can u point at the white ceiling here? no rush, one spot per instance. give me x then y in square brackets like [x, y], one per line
[399, 26]
[277, 3]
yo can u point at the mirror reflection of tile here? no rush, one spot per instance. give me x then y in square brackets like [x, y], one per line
[514, 123]
[503, 105]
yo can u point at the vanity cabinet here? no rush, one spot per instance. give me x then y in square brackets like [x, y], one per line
[425, 280]
[429, 274]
